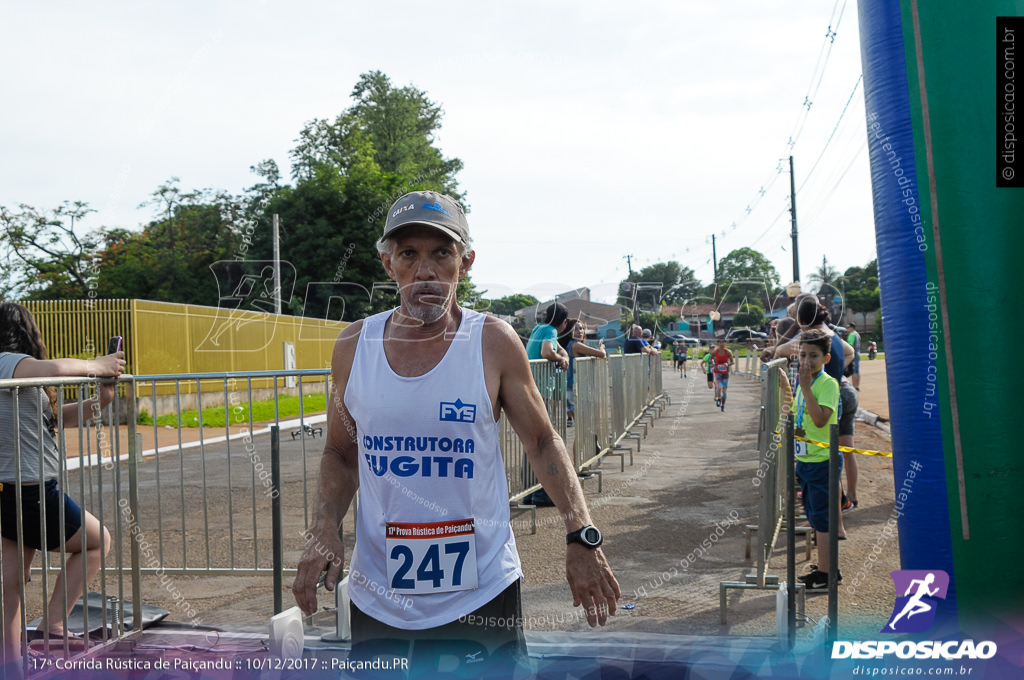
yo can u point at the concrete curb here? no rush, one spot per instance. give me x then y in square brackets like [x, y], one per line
[874, 420]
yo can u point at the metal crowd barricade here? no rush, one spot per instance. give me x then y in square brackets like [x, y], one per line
[770, 481]
[194, 499]
[97, 485]
[611, 394]
[593, 412]
[209, 511]
[551, 383]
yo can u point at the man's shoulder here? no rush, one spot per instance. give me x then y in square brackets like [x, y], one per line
[497, 331]
[345, 345]
[351, 331]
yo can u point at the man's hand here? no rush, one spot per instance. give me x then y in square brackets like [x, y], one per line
[592, 583]
[324, 551]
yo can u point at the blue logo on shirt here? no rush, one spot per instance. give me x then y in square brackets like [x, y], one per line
[457, 412]
[438, 207]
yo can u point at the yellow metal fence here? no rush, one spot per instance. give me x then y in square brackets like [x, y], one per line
[165, 337]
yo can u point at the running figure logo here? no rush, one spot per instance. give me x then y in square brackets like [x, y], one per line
[921, 590]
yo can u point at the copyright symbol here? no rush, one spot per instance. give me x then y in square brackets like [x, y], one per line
[1007, 173]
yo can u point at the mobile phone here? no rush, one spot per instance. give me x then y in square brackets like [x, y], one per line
[114, 344]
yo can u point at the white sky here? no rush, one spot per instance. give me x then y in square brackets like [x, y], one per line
[588, 130]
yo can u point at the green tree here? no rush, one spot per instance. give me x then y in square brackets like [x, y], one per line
[657, 323]
[746, 272]
[859, 278]
[45, 255]
[169, 260]
[860, 285]
[750, 315]
[397, 126]
[677, 284]
[347, 173]
[825, 275]
[508, 305]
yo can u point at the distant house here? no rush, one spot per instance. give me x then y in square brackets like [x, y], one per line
[602, 320]
[695, 320]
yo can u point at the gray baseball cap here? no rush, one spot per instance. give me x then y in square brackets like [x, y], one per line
[428, 208]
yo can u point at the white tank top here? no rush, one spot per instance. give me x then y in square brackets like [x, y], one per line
[433, 497]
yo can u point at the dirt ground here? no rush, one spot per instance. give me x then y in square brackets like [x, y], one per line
[692, 482]
[874, 393]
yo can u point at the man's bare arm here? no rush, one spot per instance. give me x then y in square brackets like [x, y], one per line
[590, 578]
[555, 352]
[336, 486]
[788, 349]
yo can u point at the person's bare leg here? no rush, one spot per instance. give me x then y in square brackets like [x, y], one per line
[823, 545]
[842, 527]
[85, 545]
[850, 462]
[14, 565]
[855, 379]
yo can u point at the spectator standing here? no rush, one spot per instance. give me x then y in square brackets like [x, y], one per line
[574, 342]
[815, 407]
[814, 316]
[543, 342]
[853, 338]
[634, 343]
[83, 538]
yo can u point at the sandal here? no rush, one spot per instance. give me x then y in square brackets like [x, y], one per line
[35, 635]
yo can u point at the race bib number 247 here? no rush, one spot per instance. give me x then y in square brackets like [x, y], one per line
[433, 557]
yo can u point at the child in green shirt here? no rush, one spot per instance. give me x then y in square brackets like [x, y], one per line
[815, 409]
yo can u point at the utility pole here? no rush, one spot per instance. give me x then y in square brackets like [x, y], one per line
[277, 266]
[629, 264]
[714, 261]
[792, 210]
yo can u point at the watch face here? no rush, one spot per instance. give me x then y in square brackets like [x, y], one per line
[591, 535]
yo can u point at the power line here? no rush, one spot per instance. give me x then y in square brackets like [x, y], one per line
[826, 49]
[829, 141]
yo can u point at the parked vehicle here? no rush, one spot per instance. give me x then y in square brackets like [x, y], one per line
[679, 337]
[737, 335]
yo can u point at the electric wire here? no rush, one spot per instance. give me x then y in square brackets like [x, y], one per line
[826, 50]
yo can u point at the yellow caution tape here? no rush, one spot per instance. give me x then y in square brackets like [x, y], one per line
[844, 449]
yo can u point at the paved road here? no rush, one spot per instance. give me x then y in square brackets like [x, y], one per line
[691, 484]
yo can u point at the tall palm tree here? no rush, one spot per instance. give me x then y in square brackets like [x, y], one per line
[826, 274]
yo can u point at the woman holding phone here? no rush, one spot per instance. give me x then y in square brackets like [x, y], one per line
[23, 355]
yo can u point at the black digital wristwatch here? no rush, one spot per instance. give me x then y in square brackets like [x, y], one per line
[589, 536]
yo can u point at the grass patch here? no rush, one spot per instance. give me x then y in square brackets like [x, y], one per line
[238, 414]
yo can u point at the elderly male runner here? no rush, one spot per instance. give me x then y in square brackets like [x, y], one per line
[413, 424]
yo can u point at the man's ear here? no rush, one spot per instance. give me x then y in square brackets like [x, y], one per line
[466, 263]
[385, 259]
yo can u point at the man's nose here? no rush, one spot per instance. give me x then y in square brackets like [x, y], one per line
[425, 270]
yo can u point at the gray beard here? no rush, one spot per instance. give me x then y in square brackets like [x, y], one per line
[427, 313]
